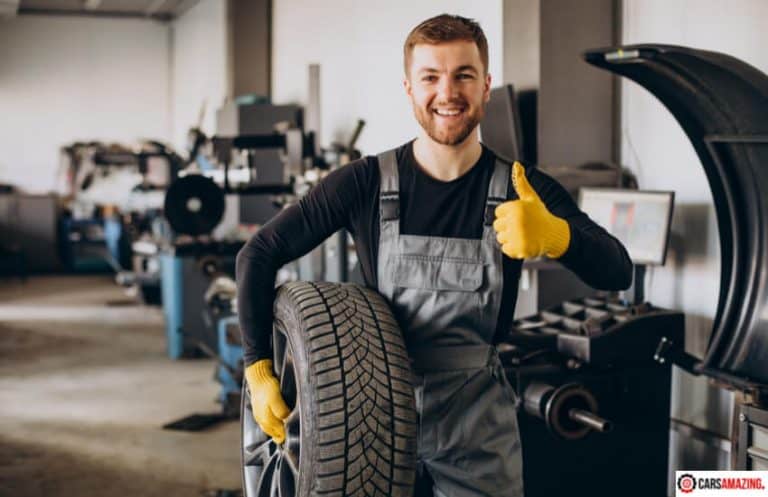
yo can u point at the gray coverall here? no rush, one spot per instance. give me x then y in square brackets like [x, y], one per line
[446, 295]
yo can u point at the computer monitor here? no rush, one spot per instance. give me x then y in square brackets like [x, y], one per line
[639, 219]
[500, 128]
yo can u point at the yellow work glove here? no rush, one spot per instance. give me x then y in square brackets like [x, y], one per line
[269, 408]
[525, 228]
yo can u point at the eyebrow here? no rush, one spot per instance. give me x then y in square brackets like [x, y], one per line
[465, 67]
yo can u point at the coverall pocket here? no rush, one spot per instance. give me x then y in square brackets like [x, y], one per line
[436, 273]
[442, 293]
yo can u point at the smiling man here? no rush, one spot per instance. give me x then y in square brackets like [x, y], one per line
[441, 226]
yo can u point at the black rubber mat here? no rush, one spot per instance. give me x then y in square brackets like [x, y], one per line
[195, 422]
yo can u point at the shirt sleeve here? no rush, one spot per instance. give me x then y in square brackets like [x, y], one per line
[295, 231]
[595, 256]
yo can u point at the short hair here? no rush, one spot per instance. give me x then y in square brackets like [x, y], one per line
[445, 28]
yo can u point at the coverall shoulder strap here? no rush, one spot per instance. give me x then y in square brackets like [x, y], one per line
[497, 189]
[389, 189]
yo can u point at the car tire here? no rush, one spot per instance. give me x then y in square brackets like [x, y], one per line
[345, 374]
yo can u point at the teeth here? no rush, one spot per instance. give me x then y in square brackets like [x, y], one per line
[448, 112]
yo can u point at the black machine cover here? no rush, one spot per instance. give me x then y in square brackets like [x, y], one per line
[722, 105]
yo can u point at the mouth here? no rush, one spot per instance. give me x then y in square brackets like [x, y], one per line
[449, 113]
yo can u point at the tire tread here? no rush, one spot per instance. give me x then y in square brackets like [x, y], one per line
[364, 402]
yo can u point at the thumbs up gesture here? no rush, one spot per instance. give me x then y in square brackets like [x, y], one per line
[525, 228]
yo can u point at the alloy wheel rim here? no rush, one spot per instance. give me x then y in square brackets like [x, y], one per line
[271, 469]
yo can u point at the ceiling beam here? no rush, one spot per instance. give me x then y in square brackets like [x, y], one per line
[161, 17]
[154, 6]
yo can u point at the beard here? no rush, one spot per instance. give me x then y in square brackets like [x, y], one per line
[454, 134]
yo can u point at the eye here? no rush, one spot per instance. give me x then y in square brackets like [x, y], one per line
[465, 75]
[429, 78]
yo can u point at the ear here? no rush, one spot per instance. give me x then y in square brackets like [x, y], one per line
[487, 88]
[407, 86]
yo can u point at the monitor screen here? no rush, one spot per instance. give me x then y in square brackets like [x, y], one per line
[639, 219]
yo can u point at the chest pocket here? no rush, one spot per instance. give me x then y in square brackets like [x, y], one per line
[436, 274]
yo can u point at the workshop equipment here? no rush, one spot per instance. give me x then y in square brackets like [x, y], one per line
[720, 101]
[597, 375]
[229, 372]
[186, 273]
[196, 203]
[752, 445]
[221, 314]
[110, 197]
[93, 244]
[590, 373]
[29, 231]
[218, 319]
[592, 389]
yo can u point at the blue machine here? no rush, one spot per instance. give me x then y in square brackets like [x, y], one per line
[91, 245]
[230, 369]
[172, 285]
[186, 271]
[199, 322]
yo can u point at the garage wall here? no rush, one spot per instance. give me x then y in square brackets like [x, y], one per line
[359, 46]
[64, 79]
[656, 149]
[199, 67]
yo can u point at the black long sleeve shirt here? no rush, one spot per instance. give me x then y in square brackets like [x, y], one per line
[349, 198]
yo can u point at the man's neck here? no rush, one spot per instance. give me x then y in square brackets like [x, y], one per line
[446, 162]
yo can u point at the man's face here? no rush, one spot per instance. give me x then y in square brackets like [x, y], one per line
[448, 89]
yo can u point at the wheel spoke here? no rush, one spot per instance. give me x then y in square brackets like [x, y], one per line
[289, 389]
[260, 454]
[251, 480]
[293, 433]
[279, 348]
[252, 434]
[294, 418]
[274, 487]
[292, 467]
[267, 480]
[286, 478]
[288, 380]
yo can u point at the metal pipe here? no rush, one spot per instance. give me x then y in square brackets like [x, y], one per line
[590, 420]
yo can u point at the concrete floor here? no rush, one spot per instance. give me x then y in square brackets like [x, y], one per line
[85, 387]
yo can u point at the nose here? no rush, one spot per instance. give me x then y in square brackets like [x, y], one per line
[447, 89]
